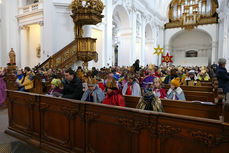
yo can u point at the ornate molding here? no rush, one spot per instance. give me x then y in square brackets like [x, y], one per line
[204, 137]
[70, 113]
[134, 126]
[168, 130]
[91, 116]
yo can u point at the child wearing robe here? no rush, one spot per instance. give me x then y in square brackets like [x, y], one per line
[94, 93]
[114, 95]
[158, 90]
[175, 92]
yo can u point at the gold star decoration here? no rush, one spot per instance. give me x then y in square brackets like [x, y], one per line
[158, 50]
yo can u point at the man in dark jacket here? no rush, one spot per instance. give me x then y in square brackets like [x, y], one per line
[73, 88]
[136, 66]
[222, 75]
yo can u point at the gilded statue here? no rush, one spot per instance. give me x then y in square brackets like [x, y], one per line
[12, 57]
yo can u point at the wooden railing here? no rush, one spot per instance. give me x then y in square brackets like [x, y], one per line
[59, 126]
[65, 58]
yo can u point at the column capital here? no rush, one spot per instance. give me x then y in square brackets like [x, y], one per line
[41, 23]
[23, 27]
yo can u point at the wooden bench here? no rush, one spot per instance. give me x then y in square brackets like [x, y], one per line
[61, 125]
[189, 108]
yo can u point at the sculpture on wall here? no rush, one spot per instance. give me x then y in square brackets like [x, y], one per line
[38, 51]
[12, 63]
[12, 57]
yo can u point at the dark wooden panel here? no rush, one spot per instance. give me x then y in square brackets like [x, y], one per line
[24, 115]
[117, 130]
[58, 117]
[181, 107]
[80, 127]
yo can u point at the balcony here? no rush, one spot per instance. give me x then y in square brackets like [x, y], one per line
[30, 14]
[30, 9]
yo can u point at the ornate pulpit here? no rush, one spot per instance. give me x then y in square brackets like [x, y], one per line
[86, 12]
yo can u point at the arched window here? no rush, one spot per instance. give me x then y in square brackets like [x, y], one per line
[191, 53]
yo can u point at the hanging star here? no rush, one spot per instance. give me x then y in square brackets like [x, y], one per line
[158, 50]
[167, 59]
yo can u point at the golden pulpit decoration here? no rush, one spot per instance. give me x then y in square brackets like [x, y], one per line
[86, 12]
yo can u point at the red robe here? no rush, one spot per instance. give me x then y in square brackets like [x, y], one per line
[162, 92]
[101, 86]
[114, 98]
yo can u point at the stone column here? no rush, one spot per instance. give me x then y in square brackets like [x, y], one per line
[133, 41]
[108, 35]
[124, 56]
[23, 49]
[214, 52]
[143, 51]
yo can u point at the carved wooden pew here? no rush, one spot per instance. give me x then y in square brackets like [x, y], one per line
[182, 107]
[61, 125]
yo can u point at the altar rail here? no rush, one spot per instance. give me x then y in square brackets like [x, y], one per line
[60, 126]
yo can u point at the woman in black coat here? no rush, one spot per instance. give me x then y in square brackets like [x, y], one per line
[222, 75]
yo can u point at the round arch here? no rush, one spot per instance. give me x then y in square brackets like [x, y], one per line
[196, 40]
[121, 25]
[123, 15]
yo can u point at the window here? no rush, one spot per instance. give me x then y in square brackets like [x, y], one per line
[191, 53]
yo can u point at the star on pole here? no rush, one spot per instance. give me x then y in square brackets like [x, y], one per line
[167, 59]
[158, 50]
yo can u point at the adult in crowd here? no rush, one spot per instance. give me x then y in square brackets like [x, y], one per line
[136, 66]
[175, 92]
[171, 75]
[222, 75]
[26, 83]
[93, 93]
[131, 87]
[73, 88]
[214, 67]
[2, 87]
[150, 102]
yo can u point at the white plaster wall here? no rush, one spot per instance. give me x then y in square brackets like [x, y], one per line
[64, 27]
[191, 40]
[9, 31]
[33, 43]
[98, 34]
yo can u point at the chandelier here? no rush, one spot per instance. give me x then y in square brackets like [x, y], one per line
[190, 13]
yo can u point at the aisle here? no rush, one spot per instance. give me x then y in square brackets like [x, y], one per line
[9, 144]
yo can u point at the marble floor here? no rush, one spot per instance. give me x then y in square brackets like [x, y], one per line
[9, 144]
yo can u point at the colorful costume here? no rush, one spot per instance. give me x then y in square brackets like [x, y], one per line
[132, 89]
[150, 102]
[2, 90]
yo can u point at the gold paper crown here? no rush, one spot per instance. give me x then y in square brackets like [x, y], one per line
[180, 68]
[158, 80]
[92, 81]
[151, 66]
[111, 83]
[2, 69]
[131, 69]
